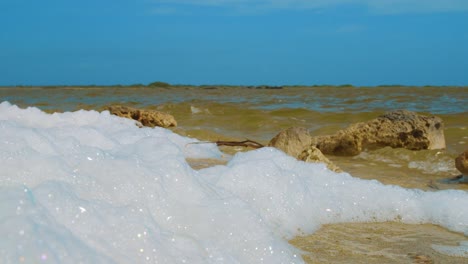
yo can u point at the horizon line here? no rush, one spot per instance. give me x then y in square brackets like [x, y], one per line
[167, 85]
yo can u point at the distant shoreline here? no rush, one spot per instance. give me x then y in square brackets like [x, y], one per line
[268, 87]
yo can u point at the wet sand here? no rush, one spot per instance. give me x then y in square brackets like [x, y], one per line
[378, 243]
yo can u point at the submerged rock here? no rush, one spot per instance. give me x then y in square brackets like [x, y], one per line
[149, 118]
[314, 155]
[397, 129]
[296, 142]
[461, 163]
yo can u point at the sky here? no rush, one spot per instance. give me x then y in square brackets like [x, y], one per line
[236, 42]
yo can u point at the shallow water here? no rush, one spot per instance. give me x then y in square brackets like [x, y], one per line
[436, 100]
[259, 114]
[238, 113]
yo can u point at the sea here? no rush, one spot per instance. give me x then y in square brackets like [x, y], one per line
[79, 185]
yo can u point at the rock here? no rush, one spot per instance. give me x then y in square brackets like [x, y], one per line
[461, 163]
[296, 142]
[292, 141]
[149, 118]
[397, 129]
[314, 155]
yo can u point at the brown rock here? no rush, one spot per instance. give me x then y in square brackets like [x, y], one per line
[296, 142]
[461, 163]
[397, 129]
[314, 155]
[292, 141]
[149, 118]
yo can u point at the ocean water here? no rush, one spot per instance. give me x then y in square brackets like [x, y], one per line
[82, 186]
[435, 100]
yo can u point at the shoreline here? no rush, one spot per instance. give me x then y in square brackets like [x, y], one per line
[389, 166]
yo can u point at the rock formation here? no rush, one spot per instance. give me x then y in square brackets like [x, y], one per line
[461, 163]
[397, 129]
[296, 142]
[149, 118]
[292, 141]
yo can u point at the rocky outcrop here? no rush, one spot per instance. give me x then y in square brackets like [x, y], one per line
[292, 141]
[296, 142]
[397, 129]
[461, 163]
[149, 118]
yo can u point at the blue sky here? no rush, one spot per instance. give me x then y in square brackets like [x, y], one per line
[239, 42]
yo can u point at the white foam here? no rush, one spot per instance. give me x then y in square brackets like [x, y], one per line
[427, 162]
[456, 251]
[195, 110]
[91, 187]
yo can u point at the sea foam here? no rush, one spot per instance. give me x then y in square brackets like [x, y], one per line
[94, 188]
